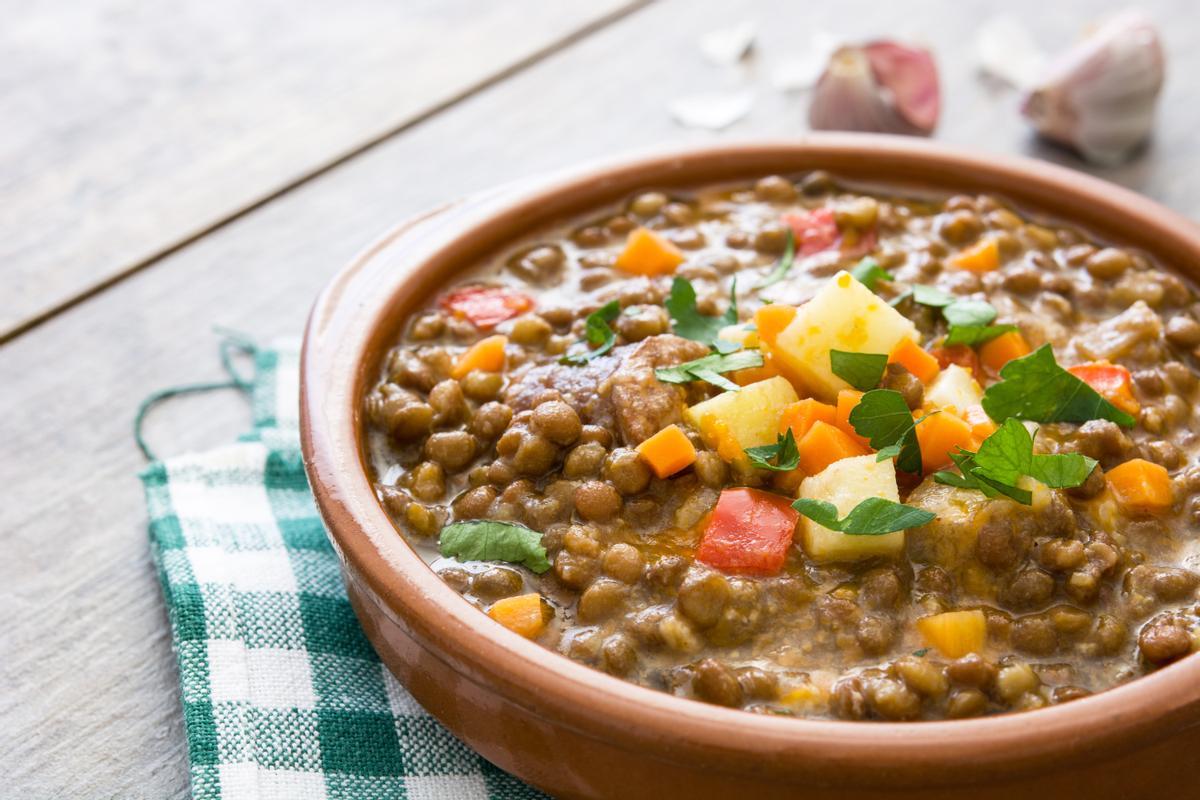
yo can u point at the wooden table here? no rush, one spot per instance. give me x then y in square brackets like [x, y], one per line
[165, 169]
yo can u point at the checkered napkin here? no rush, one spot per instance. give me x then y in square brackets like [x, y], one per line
[283, 696]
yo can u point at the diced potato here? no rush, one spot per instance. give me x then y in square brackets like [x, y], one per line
[844, 315]
[954, 634]
[954, 389]
[740, 334]
[949, 540]
[733, 421]
[846, 483]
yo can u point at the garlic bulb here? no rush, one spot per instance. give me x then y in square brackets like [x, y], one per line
[881, 87]
[1100, 96]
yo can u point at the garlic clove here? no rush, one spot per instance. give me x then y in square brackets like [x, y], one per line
[880, 87]
[1100, 96]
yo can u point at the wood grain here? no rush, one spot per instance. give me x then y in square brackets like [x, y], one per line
[132, 127]
[88, 693]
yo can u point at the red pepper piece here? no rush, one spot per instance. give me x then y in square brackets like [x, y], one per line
[749, 532]
[485, 307]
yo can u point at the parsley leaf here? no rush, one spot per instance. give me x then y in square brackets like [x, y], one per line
[491, 540]
[1007, 456]
[884, 418]
[709, 368]
[598, 335]
[725, 347]
[975, 335]
[868, 273]
[1036, 388]
[969, 313]
[784, 453]
[784, 264]
[863, 371]
[688, 321]
[971, 478]
[874, 516]
[971, 323]
[932, 296]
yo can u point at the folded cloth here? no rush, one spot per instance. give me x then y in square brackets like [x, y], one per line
[283, 696]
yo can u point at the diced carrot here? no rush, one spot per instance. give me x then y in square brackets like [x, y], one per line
[1141, 486]
[916, 360]
[939, 436]
[1004, 348]
[1112, 381]
[954, 634]
[847, 399]
[745, 377]
[981, 424]
[959, 354]
[668, 451]
[825, 444]
[647, 253]
[523, 614]
[981, 257]
[771, 319]
[486, 354]
[801, 416]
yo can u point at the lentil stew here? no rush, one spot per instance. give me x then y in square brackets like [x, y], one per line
[809, 449]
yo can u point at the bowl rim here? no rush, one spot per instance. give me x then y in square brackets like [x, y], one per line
[347, 319]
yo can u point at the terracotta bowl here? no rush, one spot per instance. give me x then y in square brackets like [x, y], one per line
[577, 732]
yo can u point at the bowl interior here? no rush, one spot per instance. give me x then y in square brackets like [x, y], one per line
[360, 316]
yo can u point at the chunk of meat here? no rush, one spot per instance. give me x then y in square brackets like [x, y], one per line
[1117, 337]
[618, 391]
[579, 387]
[642, 404]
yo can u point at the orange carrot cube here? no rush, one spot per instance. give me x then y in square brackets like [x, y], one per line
[1141, 486]
[825, 444]
[524, 614]
[486, 354]
[668, 451]
[916, 360]
[648, 253]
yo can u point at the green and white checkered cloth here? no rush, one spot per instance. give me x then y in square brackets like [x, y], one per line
[283, 695]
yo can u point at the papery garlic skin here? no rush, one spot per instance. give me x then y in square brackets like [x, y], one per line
[1100, 96]
[879, 87]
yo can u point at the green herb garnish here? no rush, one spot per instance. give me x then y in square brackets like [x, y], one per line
[1035, 387]
[709, 368]
[783, 266]
[598, 335]
[863, 371]
[884, 418]
[688, 322]
[971, 323]
[1007, 456]
[492, 540]
[783, 453]
[874, 516]
[868, 273]
[975, 335]
[926, 296]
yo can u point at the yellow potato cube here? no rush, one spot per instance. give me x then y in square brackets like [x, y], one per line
[846, 483]
[954, 389]
[739, 334]
[843, 315]
[733, 421]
